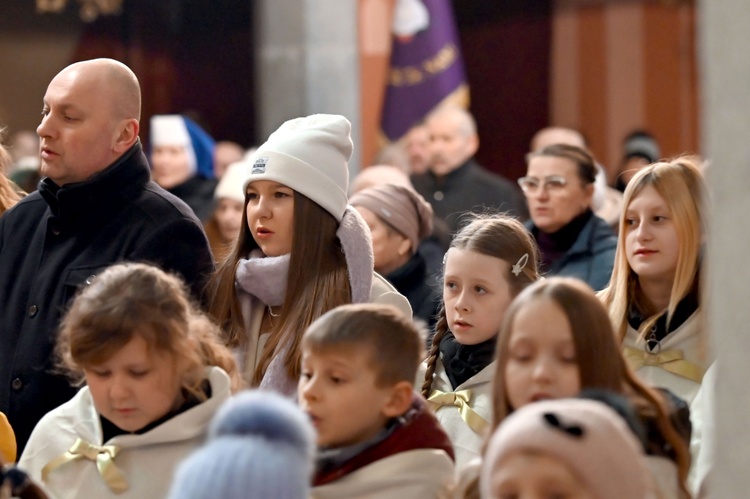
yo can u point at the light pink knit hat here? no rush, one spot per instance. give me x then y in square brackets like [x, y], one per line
[588, 437]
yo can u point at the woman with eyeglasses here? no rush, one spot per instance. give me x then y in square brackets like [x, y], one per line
[559, 188]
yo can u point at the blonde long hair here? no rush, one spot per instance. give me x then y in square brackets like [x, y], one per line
[9, 196]
[680, 183]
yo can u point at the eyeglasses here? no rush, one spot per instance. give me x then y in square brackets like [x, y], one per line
[553, 183]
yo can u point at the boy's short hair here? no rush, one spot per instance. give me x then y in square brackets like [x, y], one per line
[393, 340]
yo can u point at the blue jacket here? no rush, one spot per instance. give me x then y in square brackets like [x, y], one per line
[591, 257]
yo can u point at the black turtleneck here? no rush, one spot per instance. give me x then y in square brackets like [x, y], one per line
[684, 309]
[554, 245]
[111, 430]
[461, 362]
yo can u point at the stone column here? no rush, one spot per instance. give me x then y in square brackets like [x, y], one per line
[307, 62]
[725, 70]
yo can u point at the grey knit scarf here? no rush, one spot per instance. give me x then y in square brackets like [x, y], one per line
[266, 277]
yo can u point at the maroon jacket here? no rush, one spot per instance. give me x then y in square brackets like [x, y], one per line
[420, 431]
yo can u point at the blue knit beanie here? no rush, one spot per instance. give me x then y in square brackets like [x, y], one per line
[260, 445]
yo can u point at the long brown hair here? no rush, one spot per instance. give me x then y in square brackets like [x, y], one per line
[8, 195]
[131, 299]
[600, 362]
[498, 236]
[680, 183]
[318, 281]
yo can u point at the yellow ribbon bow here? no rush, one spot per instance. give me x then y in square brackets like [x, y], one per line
[669, 360]
[103, 456]
[460, 399]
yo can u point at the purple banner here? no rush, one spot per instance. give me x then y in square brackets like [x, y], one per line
[426, 63]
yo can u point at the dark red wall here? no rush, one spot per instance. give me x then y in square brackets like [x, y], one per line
[197, 57]
[191, 57]
[506, 48]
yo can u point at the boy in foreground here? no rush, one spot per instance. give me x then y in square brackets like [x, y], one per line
[376, 436]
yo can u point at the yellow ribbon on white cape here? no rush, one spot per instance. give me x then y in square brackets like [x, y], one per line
[103, 456]
[460, 399]
[670, 360]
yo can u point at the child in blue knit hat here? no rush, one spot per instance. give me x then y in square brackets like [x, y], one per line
[260, 446]
[376, 437]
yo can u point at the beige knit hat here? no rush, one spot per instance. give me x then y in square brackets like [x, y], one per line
[309, 155]
[231, 184]
[400, 207]
[587, 436]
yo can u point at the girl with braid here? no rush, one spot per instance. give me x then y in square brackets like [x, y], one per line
[488, 263]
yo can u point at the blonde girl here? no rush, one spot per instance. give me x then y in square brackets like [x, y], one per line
[557, 340]
[155, 372]
[301, 251]
[654, 295]
[489, 262]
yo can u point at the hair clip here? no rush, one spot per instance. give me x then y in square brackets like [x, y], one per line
[554, 422]
[520, 264]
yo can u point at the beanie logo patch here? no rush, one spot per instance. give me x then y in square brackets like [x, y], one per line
[259, 167]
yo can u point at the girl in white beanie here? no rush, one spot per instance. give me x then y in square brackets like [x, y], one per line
[301, 250]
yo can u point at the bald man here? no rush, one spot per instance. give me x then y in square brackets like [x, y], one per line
[95, 206]
[455, 183]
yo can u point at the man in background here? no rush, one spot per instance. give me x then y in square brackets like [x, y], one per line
[455, 183]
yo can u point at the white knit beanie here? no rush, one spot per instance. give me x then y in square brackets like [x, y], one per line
[309, 155]
[232, 182]
[587, 436]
